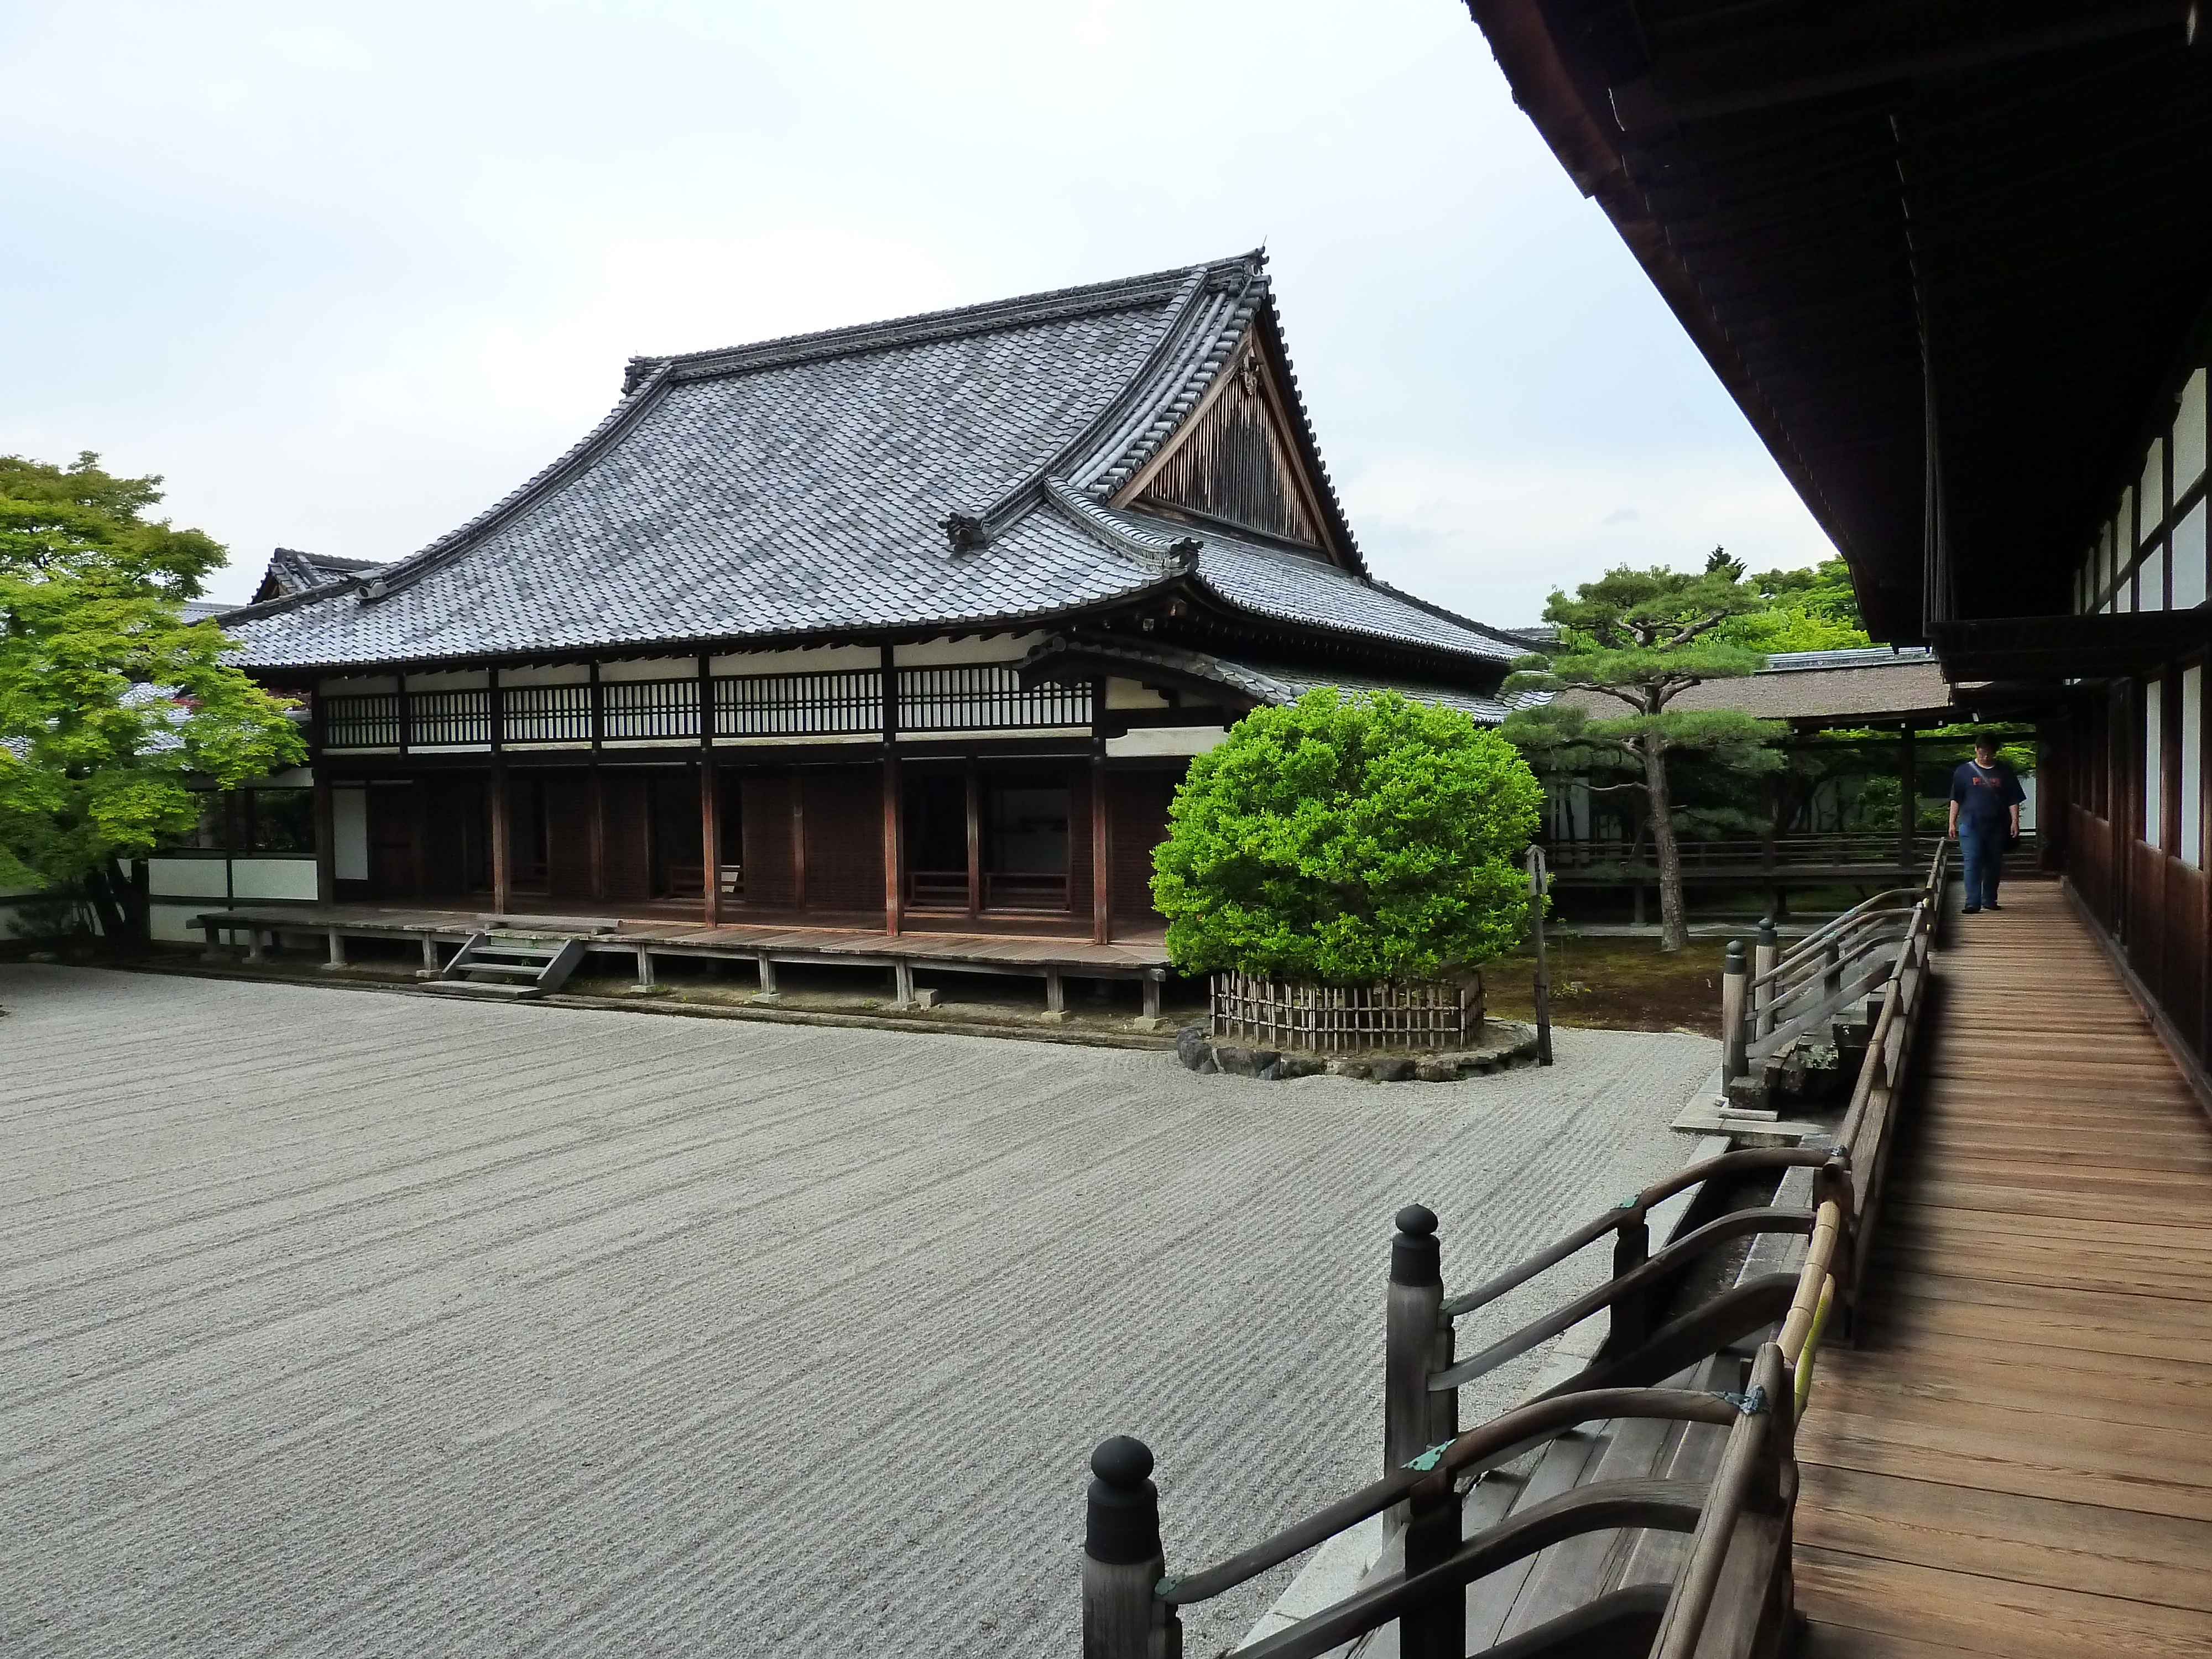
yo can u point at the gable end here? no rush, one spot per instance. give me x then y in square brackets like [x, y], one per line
[1236, 462]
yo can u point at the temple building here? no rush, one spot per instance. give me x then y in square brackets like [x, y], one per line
[913, 626]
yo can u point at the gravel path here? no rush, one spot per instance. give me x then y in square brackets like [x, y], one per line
[360, 1324]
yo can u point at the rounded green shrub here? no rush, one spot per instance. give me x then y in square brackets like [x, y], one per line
[1346, 839]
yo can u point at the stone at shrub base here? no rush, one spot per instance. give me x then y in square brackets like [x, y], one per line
[1506, 1044]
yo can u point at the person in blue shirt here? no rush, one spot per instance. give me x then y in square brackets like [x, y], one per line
[1986, 797]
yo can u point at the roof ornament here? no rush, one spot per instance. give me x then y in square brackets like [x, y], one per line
[964, 531]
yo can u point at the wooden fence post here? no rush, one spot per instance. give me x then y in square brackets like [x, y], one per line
[1763, 957]
[1122, 1563]
[1733, 980]
[1411, 1321]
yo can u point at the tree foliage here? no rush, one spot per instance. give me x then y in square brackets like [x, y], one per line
[1347, 839]
[1813, 610]
[109, 699]
[1638, 639]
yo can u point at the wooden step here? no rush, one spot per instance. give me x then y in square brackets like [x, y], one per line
[477, 987]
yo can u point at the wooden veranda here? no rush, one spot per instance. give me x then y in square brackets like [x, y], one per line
[2016, 1456]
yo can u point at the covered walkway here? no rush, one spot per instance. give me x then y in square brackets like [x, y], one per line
[2016, 1458]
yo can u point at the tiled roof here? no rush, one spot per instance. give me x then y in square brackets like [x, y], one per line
[803, 487]
[1275, 684]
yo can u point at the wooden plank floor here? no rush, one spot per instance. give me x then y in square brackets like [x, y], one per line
[2017, 1458]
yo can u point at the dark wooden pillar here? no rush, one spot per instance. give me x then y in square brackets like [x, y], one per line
[799, 837]
[326, 836]
[502, 841]
[710, 803]
[503, 838]
[974, 840]
[1908, 794]
[598, 833]
[894, 815]
[1102, 895]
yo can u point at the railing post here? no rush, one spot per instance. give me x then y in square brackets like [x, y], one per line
[1763, 957]
[1411, 1321]
[1631, 1314]
[1437, 1628]
[1123, 1564]
[1734, 978]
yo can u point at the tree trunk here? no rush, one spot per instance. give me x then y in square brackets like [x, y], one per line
[1674, 929]
[118, 901]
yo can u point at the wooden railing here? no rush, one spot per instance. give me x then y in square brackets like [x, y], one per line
[1782, 993]
[1727, 1591]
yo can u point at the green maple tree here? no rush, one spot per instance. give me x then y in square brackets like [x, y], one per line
[111, 703]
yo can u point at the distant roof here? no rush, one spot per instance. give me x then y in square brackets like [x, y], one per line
[1811, 687]
[291, 572]
[961, 471]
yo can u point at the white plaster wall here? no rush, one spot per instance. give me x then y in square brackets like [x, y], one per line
[197, 879]
[1165, 740]
[173, 923]
[1132, 694]
[994, 648]
[651, 668]
[349, 834]
[818, 660]
[273, 878]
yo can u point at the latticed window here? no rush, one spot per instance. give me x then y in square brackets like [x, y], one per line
[369, 722]
[650, 708]
[445, 719]
[545, 714]
[984, 697]
[799, 705]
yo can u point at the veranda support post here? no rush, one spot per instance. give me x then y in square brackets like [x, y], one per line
[1734, 977]
[1122, 1561]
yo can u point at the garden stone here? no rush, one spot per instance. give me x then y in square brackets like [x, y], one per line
[1436, 1071]
[1240, 1061]
[1193, 1050]
[1291, 1066]
[1391, 1071]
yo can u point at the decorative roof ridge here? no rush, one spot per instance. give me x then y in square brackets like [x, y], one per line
[1126, 293]
[1164, 555]
[455, 542]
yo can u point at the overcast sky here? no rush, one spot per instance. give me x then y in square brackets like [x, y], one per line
[346, 274]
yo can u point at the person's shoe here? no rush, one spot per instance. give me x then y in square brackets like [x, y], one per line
[1993, 905]
[1971, 910]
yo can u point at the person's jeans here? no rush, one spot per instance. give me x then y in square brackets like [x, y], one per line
[1981, 847]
